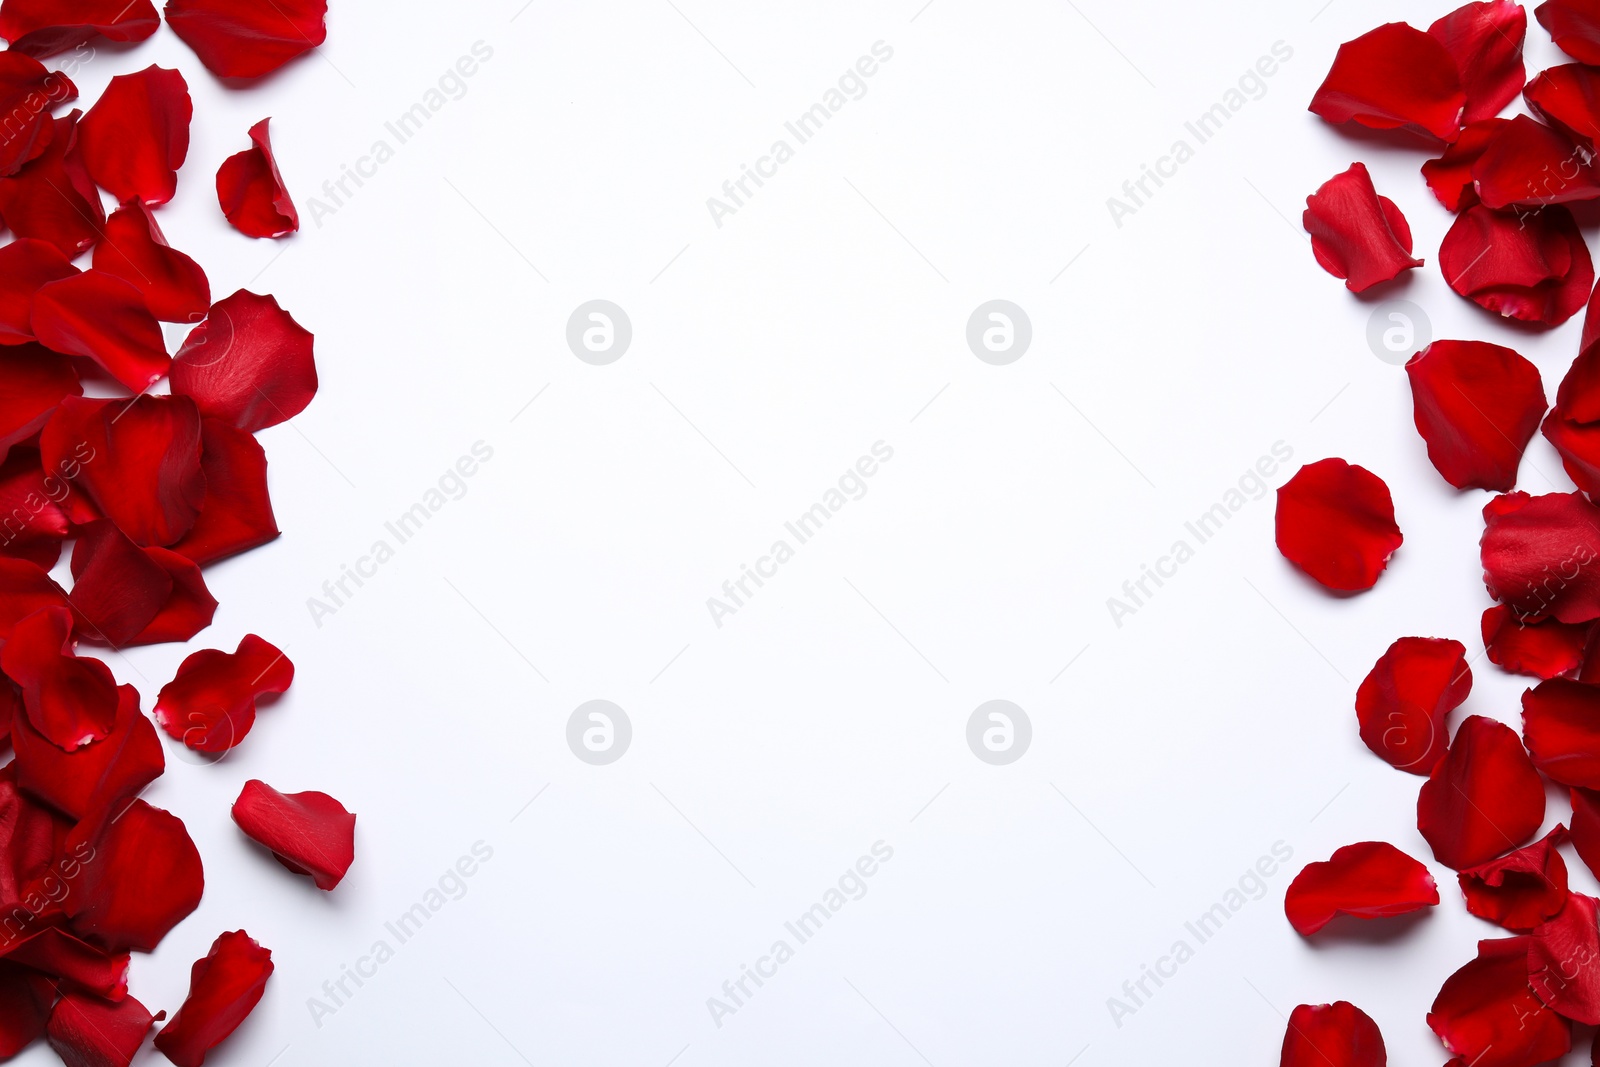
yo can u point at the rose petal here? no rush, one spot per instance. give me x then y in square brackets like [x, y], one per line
[223, 989]
[1563, 967]
[24, 590]
[27, 93]
[1402, 703]
[66, 958]
[25, 265]
[1484, 798]
[251, 191]
[1543, 649]
[1486, 1015]
[125, 595]
[104, 773]
[37, 380]
[1355, 233]
[210, 704]
[1522, 889]
[1394, 76]
[1335, 521]
[100, 316]
[1586, 827]
[309, 833]
[1537, 552]
[42, 28]
[32, 524]
[241, 39]
[237, 515]
[1370, 880]
[1529, 164]
[1332, 1035]
[1477, 406]
[1574, 25]
[53, 198]
[1485, 40]
[191, 607]
[25, 999]
[70, 700]
[144, 847]
[136, 136]
[1568, 97]
[1532, 266]
[1561, 726]
[1450, 175]
[88, 1032]
[173, 286]
[249, 363]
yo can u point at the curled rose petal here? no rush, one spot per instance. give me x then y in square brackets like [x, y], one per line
[1450, 175]
[89, 1032]
[1485, 40]
[114, 769]
[145, 847]
[1521, 890]
[241, 39]
[25, 265]
[100, 316]
[249, 363]
[1370, 880]
[223, 989]
[1477, 406]
[25, 999]
[1393, 76]
[252, 193]
[27, 93]
[52, 198]
[1335, 521]
[1574, 25]
[173, 286]
[1538, 554]
[237, 515]
[1487, 1016]
[136, 136]
[1332, 1035]
[1532, 266]
[1561, 725]
[1402, 702]
[210, 704]
[1529, 164]
[1356, 234]
[43, 28]
[1564, 961]
[37, 380]
[32, 524]
[1544, 649]
[309, 833]
[1484, 798]
[70, 700]
[1568, 97]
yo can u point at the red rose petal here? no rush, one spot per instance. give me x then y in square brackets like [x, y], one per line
[1477, 406]
[1568, 97]
[210, 704]
[1370, 880]
[25, 589]
[27, 93]
[1335, 521]
[173, 286]
[88, 1032]
[1355, 233]
[1450, 175]
[53, 198]
[1537, 552]
[1391, 77]
[309, 833]
[241, 39]
[25, 999]
[104, 773]
[1484, 798]
[1543, 649]
[25, 265]
[1586, 827]
[144, 847]
[1564, 961]
[1561, 726]
[1529, 164]
[70, 700]
[32, 524]
[1485, 40]
[252, 193]
[42, 28]
[1487, 1016]
[78, 963]
[100, 316]
[1402, 703]
[1574, 25]
[223, 989]
[126, 595]
[191, 607]
[1521, 890]
[249, 363]
[37, 380]
[136, 136]
[237, 515]
[1532, 266]
[1332, 1035]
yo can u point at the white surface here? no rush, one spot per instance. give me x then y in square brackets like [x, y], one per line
[775, 751]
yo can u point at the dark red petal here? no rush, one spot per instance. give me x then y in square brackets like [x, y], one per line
[1484, 798]
[249, 363]
[100, 316]
[237, 515]
[1332, 1035]
[1335, 521]
[251, 191]
[173, 286]
[191, 606]
[310, 833]
[1485, 40]
[1532, 266]
[1370, 880]
[1536, 552]
[1568, 97]
[44, 28]
[1529, 164]
[1355, 233]
[27, 93]
[25, 999]
[138, 461]
[1450, 175]
[32, 524]
[1543, 649]
[1487, 1016]
[25, 589]
[70, 700]
[210, 704]
[144, 847]
[1477, 406]
[64, 957]
[1586, 827]
[1520, 890]
[104, 773]
[53, 198]
[1574, 25]
[1402, 702]
[1578, 444]
[1561, 725]
[243, 39]
[117, 590]
[223, 989]
[136, 136]
[88, 1032]
[25, 265]
[1390, 77]
[37, 380]
[1564, 961]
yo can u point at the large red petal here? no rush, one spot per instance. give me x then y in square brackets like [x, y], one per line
[237, 515]
[1484, 798]
[1568, 97]
[210, 704]
[1370, 880]
[136, 136]
[223, 989]
[25, 265]
[1332, 1035]
[88, 1032]
[252, 193]
[1537, 554]
[104, 773]
[1522, 889]
[1487, 1016]
[142, 847]
[1574, 25]
[53, 198]
[1391, 77]
[1529, 164]
[1544, 649]
[44, 28]
[100, 316]
[135, 250]
[25, 589]
[1485, 40]
[1450, 175]
[1564, 961]
[249, 363]
[1356, 234]
[310, 833]
[1335, 521]
[1477, 406]
[242, 39]
[1402, 702]
[1561, 725]
[70, 700]
[1533, 266]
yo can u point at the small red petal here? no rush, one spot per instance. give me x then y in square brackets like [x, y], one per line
[1532, 266]
[241, 39]
[1332, 1035]
[252, 193]
[70, 700]
[1355, 233]
[100, 316]
[25, 999]
[1402, 702]
[1574, 25]
[144, 847]
[223, 989]
[1391, 77]
[88, 1032]
[27, 93]
[25, 265]
[104, 773]
[53, 198]
[42, 28]
[136, 136]
[1528, 164]
[1370, 880]
[1561, 725]
[249, 363]
[1484, 798]
[1520, 890]
[1450, 175]
[134, 249]
[1568, 97]
[309, 833]
[1543, 649]
[1564, 961]
[237, 515]
[1486, 1015]
[1485, 40]
[1335, 521]
[1477, 406]
[1536, 552]
[32, 524]
[210, 704]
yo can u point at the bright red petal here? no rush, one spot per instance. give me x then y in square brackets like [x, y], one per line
[210, 704]
[1568, 97]
[75, 962]
[1402, 703]
[249, 363]
[1370, 880]
[1332, 1035]
[27, 93]
[1521, 890]
[1450, 175]
[237, 515]
[1355, 233]
[100, 316]
[70, 700]
[1477, 406]
[1529, 164]
[223, 989]
[1335, 521]
[1488, 1017]
[32, 524]
[104, 773]
[252, 193]
[1574, 25]
[1561, 725]
[43, 28]
[309, 833]
[1543, 649]
[1537, 552]
[25, 589]
[1532, 266]
[1484, 798]
[1485, 40]
[1394, 76]
[173, 286]
[241, 39]
[25, 265]
[144, 847]
[1564, 961]
[53, 198]
[136, 136]
[88, 1032]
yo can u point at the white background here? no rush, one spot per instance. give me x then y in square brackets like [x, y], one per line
[830, 712]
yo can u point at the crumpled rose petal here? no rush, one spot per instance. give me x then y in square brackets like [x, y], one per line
[249, 363]
[1477, 406]
[210, 704]
[1484, 798]
[1485, 40]
[1332, 1035]
[100, 316]
[145, 847]
[25, 265]
[1521, 890]
[1487, 1016]
[252, 193]
[43, 28]
[134, 249]
[71, 700]
[241, 39]
[310, 833]
[88, 1032]
[1335, 521]
[1393, 76]
[27, 93]
[1402, 702]
[1564, 961]
[223, 989]
[52, 198]
[1533, 266]
[126, 595]
[1574, 25]
[1568, 98]
[25, 999]
[1544, 649]
[32, 524]
[1450, 175]
[109, 771]
[136, 136]
[1561, 726]
[83, 966]
[1356, 234]
[1537, 553]
[1370, 880]
[1528, 164]
[237, 515]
